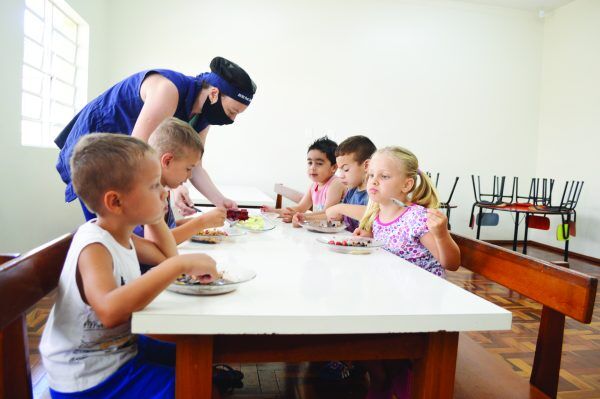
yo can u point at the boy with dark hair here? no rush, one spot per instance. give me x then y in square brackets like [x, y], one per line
[326, 190]
[352, 158]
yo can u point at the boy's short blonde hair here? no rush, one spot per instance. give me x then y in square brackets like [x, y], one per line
[176, 137]
[105, 161]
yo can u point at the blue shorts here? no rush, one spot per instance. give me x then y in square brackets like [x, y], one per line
[150, 374]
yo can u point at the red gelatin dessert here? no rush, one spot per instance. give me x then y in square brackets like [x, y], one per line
[237, 214]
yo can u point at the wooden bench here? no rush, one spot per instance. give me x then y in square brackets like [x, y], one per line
[24, 281]
[561, 291]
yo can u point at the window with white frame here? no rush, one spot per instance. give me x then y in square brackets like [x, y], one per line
[55, 55]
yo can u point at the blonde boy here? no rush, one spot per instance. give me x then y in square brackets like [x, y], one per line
[87, 346]
[179, 150]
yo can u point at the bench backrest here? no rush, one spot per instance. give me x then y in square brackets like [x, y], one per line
[286, 192]
[567, 291]
[24, 281]
[560, 290]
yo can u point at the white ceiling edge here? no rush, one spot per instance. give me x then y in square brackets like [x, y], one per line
[527, 5]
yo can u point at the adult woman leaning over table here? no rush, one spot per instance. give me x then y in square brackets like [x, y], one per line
[139, 103]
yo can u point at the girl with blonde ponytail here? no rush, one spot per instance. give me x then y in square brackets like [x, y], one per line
[417, 231]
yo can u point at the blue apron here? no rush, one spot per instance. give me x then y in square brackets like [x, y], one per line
[116, 111]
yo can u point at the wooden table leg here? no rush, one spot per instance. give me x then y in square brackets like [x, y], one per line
[434, 373]
[193, 369]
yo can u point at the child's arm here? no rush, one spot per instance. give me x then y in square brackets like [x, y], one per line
[113, 304]
[335, 193]
[193, 225]
[157, 245]
[304, 205]
[362, 233]
[300, 217]
[439, 242]
[353, 211]
[288, 213]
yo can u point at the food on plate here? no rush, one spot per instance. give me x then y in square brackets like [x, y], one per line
[212, 232]
[210, 236]
[237, 214]
[253, 223]
[351, 243]
[187, 279]
[326, 223]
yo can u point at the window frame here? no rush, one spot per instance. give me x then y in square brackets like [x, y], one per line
[58, 100]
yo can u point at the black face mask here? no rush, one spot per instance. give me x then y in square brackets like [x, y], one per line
[214, 113]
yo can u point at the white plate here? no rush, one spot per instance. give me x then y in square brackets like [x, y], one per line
[371, 244]
[234, 278]
[267, 224]
[232, 232]
[269, 215]
[320, 226]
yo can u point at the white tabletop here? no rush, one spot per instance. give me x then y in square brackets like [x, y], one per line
[244, 196]
[302, 287]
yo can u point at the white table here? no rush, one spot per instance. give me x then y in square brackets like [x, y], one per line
[320, 305]
[244, 196]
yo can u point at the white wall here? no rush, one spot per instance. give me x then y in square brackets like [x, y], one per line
[569, 132]
[32, 208]
[457, 83]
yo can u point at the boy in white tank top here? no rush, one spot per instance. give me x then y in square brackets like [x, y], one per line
[87, 346]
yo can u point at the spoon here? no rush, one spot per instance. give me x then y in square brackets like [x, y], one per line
[398, 202]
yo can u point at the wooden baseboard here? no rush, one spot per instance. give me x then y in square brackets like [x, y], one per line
[546, 247]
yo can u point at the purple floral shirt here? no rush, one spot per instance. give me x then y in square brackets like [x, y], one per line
[402, 238]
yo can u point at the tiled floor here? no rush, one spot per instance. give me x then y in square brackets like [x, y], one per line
[579, 378]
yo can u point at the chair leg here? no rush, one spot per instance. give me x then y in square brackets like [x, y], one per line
[516, 234]
[478, 223]
[526, 233]
[568, 237]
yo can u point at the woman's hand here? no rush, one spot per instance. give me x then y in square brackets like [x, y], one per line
[183, 203]
[437, 223]
[227, 204]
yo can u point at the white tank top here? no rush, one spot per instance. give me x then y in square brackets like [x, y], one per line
[77, 350]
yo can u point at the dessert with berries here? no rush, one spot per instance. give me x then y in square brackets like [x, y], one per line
[351, 243]
[237, 214]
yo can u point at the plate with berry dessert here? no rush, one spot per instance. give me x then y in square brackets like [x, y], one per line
[351, 244]
[324, 226]
[228, 281]
[214, 236]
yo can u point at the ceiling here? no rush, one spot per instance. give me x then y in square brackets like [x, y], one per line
[529, 5]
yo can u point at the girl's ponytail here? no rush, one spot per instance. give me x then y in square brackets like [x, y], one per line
[425, 193]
